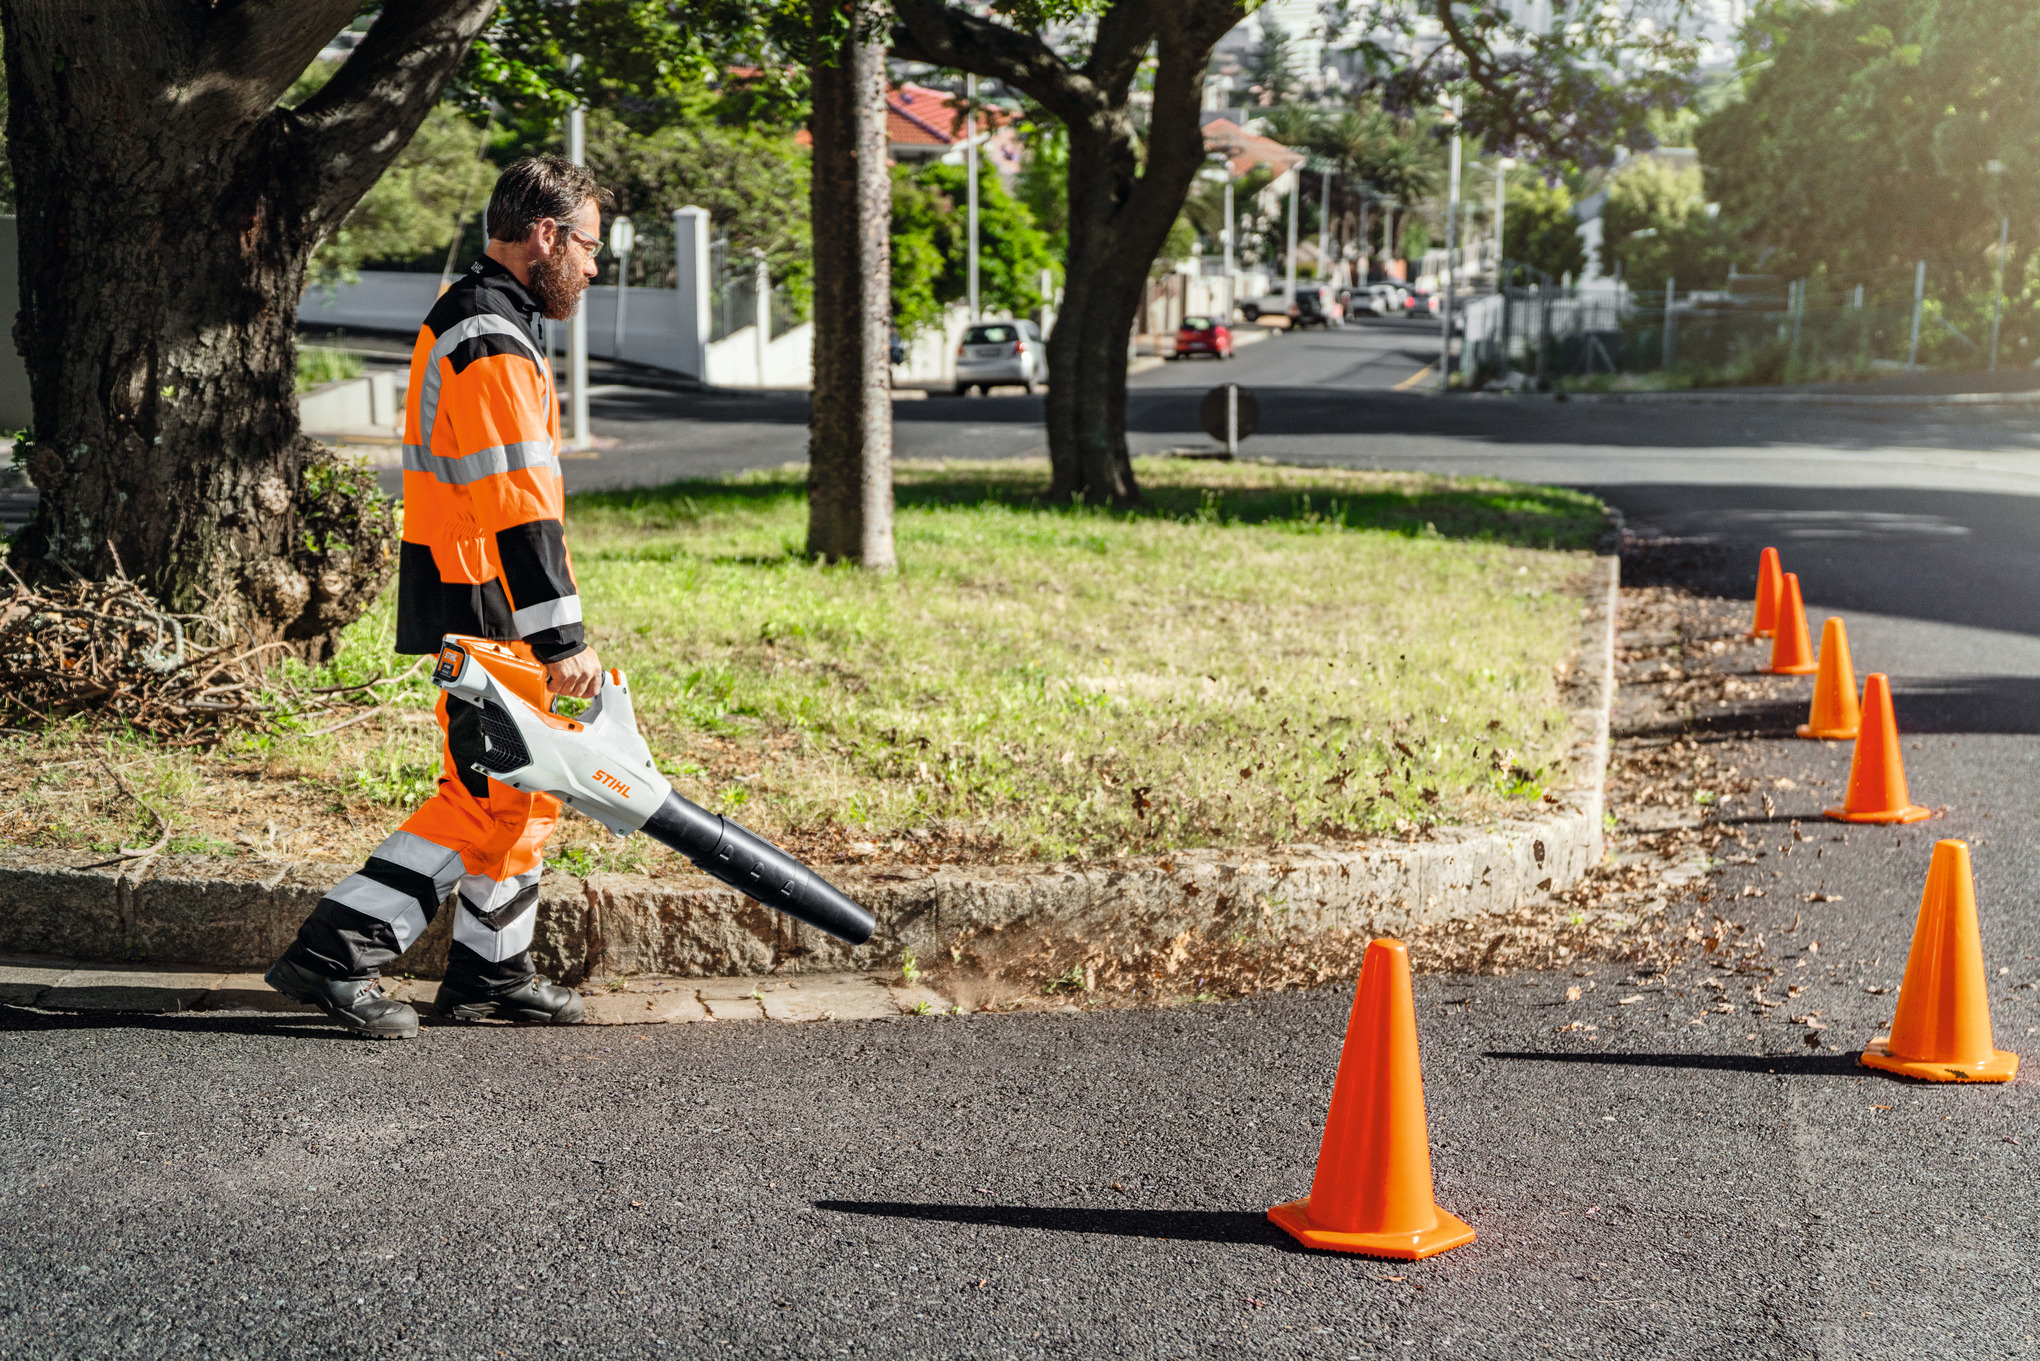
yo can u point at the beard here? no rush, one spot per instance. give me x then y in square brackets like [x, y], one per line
[557, 283]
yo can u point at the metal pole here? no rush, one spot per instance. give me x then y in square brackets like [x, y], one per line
[1912, 350]
[1670, 345]
[1997, 302]
[1451, 221]
[1324, 227]
[577, 329]
[1230, 300]
[1232, 420]
[1295, 186]
[1501, 197]
[970, 161]
[762, 287]
[622, 301]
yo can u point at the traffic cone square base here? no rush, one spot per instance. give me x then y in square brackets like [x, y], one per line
[1915, 813]
[1836, 735]
[1999, 1067]
[1452, 1232]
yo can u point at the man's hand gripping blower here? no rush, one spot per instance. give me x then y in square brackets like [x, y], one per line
[598, 766]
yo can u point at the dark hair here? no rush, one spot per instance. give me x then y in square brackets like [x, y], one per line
[539, 187]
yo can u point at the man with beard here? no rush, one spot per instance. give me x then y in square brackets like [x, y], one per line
[484, 553]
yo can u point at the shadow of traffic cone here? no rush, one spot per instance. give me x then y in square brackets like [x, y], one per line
[1769, 581]
[1372, 1192]
[1836, 713]
[1942, 1030]
[1876, 774]
[1791, 645]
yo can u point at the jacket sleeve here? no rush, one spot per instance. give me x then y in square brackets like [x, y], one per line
[496, 400]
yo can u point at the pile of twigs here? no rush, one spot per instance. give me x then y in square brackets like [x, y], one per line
[105, 650]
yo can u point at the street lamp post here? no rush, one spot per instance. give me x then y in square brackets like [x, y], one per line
[1451, 224]
[1295, 186]
[970, 160]
[1324, 225]
[577, 329]
[1996, 170]
[1502, 168]
[622, 236]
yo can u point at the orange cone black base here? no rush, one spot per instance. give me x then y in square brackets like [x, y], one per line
[1372, 1192]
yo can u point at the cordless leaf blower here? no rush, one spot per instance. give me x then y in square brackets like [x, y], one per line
[599, 766]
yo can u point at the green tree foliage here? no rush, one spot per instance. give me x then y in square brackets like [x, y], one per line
[930, 269]
[1181, 245]
[752, 180]
[418, 205]
[1657, 225]
[1862, 139]
[1540, 230]
[1043, 183]
[1576, 93]
[1271, 67]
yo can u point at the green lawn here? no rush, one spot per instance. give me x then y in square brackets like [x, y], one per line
[1262, 655]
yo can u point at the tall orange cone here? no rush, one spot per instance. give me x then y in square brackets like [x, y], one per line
[1836, 714]
[1876, 774]
[1791, 646]
[1942, 1030]
[1372, 1192]
[1769, 581]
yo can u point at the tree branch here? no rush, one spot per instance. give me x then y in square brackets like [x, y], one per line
[1125, 31]
[360, 119]
[932, 31]
[248, 53]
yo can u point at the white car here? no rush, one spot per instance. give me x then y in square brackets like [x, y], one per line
[997, 353]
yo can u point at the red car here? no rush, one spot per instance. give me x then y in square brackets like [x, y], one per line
[1203, 335]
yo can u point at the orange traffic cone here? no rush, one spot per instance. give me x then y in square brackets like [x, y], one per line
[1791, 647]
[1835, 710]
[1876, 774]
[1769, 581]
[1372, 1192]
[1942, 1030]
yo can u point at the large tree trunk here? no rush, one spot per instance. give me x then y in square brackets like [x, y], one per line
[168, 209]
[1121, 209]
[850, 499]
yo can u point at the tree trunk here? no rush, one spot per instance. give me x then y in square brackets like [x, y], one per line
[1120, 209]
[850, 500]
[167, 213]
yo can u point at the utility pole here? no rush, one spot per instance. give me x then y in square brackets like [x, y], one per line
[1912, 349]
[1671, 343]
[1997, 301]
[1451, 222]
[1324, 226]
[1502, 168]
[1231, 284]
[970, 161]
[577, 329]
[1295, 188]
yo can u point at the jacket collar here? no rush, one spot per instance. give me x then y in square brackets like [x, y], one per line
[494, 274]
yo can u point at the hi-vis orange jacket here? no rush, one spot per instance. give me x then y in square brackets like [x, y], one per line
[484, 550]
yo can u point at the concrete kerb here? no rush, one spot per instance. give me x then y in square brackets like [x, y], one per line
[229, 915]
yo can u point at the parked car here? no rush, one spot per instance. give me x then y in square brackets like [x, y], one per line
[1315, 305]
[1421, 304]
[1270, 304]
[1203, 335]
[1377, 299]
[997, 353]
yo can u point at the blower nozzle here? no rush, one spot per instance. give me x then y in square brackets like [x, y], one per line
[600, 767]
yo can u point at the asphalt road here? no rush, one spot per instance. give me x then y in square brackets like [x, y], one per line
[1065, 1185]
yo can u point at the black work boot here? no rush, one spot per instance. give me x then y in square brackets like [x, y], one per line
[356, 1003]
[536, 1001]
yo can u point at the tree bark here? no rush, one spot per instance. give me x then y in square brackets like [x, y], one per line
[850, 498]
[1120, 209]
[168, 209]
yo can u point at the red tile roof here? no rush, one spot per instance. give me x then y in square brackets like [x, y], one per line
[1248, 151]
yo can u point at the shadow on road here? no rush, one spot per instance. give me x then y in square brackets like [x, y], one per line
[307, 1026]
[1789, 1065]
[1199, 1226]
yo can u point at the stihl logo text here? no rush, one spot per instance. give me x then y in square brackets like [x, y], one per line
[604, 777]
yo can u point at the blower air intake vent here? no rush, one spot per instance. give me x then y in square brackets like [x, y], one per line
[506, 750]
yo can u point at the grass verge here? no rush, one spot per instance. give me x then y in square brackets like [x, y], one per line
[1260, 655]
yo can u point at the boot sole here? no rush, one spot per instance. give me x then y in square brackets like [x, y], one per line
[483, 1011]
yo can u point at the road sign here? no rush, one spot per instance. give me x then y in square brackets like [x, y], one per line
[622, 236]
[1229, 413]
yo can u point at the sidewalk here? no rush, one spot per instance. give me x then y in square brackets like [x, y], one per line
[61, 986]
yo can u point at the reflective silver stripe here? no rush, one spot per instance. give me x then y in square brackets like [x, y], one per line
[485, 895]
[385, 904]
[445, 344]
[501, 458]
[415, 853]
[496, 946]
[547, 614]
